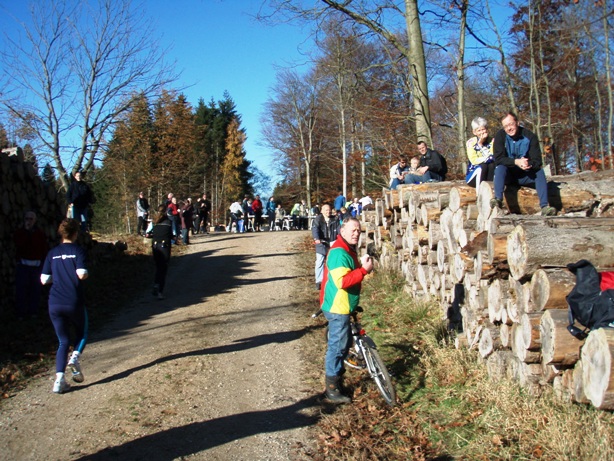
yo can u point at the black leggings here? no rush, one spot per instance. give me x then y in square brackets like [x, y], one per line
[161, 257]
[63, 317]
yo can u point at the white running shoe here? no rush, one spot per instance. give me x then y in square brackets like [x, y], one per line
[74, 367]
[60, 386]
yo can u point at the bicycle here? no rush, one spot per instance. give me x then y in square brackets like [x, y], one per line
[364, 347]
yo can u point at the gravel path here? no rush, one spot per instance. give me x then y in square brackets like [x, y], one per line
[211, 373]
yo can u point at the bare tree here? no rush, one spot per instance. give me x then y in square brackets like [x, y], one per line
[74, 73]
[372, 15]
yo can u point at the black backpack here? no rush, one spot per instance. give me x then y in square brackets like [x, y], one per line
[588, 305]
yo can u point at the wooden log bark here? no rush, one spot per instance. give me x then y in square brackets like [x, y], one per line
[568, 196]
[461, 196]
[498, 364]
[530, 327]
[497, 295]
[496, 248]
[597, 371]
[530, 248]
[558, 345]
[578, 394]
[517, 342]
[489, 340]
[549, 287]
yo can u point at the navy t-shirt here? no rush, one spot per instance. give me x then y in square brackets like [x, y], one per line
[62, 263]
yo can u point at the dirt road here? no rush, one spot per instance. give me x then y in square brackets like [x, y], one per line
[211, 373]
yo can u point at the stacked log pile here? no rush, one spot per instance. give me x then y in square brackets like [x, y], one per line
[507, 273]
[21, 189]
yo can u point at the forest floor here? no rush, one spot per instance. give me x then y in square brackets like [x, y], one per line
[212, 372]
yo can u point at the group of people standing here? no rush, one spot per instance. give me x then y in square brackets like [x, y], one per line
[512, 156]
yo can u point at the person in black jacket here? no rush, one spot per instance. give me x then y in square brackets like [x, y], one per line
[433, 166]
[161, 237]
[80, 197]
[324, 230]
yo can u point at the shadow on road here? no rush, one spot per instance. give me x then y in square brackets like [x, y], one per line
[236, 346]
[195, 277]
[200, 436]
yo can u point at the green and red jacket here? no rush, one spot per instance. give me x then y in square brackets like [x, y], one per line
[342, 279]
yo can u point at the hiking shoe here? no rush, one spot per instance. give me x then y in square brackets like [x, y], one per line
[156, 290]
[355, 361]
[74, 367]
[496, 203]
[548, 211]
[60, 386]
[333, 393]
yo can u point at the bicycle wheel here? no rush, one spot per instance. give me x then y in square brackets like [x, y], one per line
[379, 373]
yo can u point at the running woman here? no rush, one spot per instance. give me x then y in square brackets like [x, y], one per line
[65, 268]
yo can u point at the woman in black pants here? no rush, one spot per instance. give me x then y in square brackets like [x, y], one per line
[162, 234]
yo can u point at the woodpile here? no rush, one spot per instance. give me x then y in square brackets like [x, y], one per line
[507, 273]
[21, 189]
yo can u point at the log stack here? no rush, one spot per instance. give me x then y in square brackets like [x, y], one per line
[21, 189]
[507, 273]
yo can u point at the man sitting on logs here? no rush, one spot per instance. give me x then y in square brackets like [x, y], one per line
[519, 160]
[433, 167]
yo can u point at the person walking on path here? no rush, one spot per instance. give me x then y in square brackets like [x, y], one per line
[142, 211]
[339, 297]
[257, 209]
[65, 269]
[30, 251]
[339, 201]
[79, 197]
[324, 230]
[161, 237]
[270, 212]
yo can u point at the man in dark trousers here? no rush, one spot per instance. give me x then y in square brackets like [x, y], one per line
[519, 160]
[80, 197]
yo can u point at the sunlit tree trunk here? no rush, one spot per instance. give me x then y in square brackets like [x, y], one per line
[417, 65]
[608, 76]
[460, 84]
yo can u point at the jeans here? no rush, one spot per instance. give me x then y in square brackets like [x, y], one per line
[80, 214]
[395, 182]
[418, 179]
[320, 267]
[507, 175]
[339, 342]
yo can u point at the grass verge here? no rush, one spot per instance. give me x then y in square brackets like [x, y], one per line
[448, 409]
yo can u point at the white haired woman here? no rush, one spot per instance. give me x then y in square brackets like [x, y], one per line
[481, 165]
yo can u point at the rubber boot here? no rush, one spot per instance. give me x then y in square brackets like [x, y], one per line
[332, 391]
